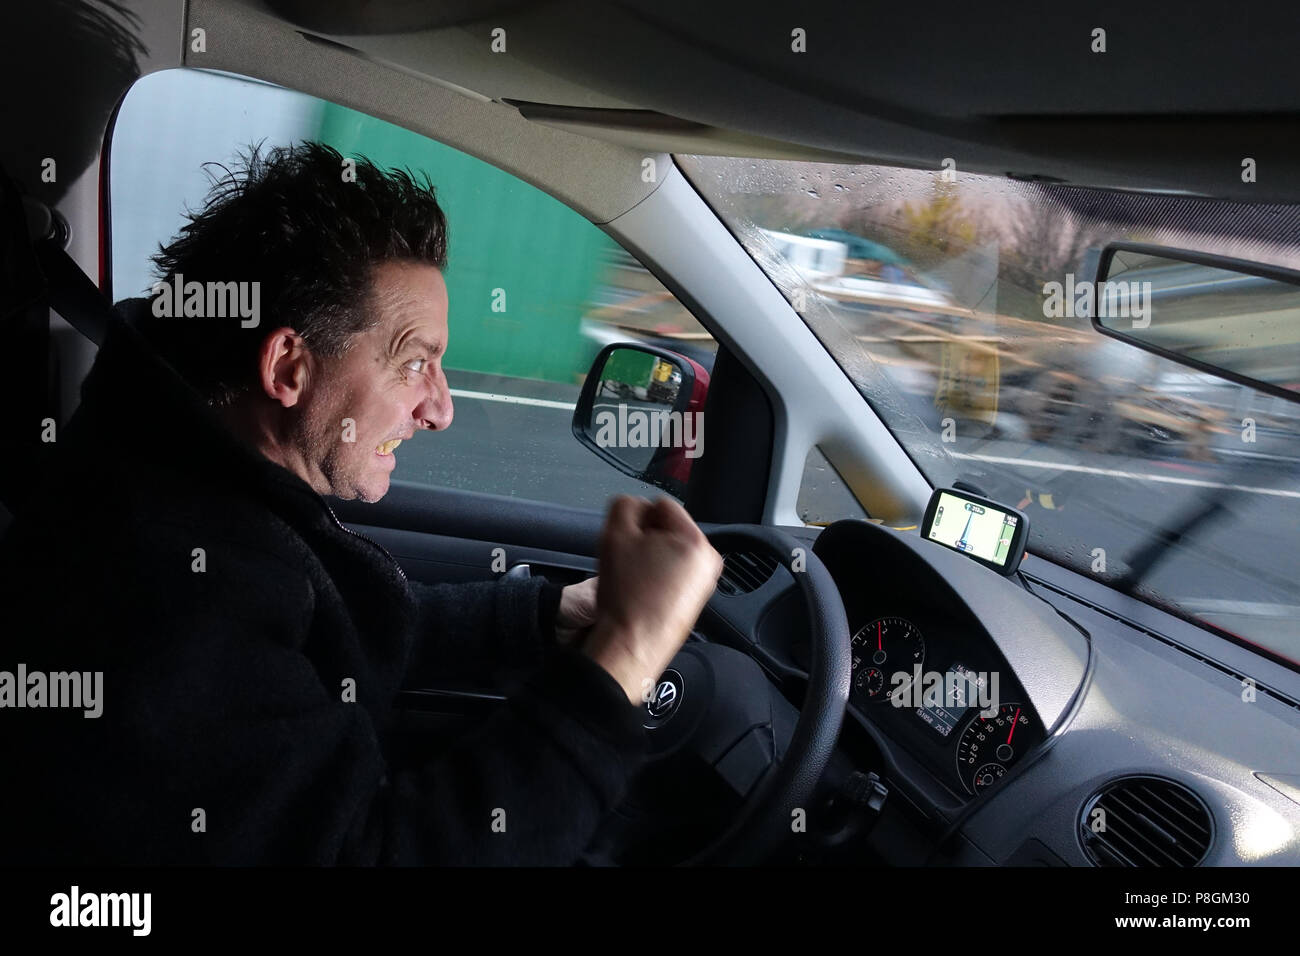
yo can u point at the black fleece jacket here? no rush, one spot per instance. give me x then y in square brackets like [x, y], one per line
[251, 649]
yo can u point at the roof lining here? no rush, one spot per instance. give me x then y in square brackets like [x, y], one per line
[600, 180]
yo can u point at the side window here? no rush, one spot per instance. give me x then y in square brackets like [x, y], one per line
[535, 290]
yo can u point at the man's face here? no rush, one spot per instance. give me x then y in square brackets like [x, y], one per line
[389, 383]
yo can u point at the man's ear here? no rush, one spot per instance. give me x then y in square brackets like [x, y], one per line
[284, 365]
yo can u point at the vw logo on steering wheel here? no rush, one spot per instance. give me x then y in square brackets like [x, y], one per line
[665, 698]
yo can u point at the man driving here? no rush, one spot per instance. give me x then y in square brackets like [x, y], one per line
[250, 647]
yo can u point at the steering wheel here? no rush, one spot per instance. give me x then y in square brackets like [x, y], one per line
[717, 703]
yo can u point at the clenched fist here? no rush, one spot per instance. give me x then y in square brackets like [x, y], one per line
[657, 571]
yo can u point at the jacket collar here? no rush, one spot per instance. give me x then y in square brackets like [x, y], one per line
[133, 397]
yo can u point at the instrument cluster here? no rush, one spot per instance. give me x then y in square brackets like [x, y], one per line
[954, 704]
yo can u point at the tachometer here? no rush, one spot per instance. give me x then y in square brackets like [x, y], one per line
[990, 745]
[886, 646]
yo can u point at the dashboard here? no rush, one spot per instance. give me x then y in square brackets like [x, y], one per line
[995, 710]
[947, 697]
[933, 682]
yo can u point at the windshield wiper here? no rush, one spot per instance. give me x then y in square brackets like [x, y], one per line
[1199, 515]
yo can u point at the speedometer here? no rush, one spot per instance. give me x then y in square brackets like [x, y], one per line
[990, 745]
[885, 647]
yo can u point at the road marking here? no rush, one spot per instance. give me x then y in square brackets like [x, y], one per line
[511, 399]
[989, 459]
[1114, 473]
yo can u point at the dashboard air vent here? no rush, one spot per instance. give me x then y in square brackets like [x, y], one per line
[1144, 821]
[744, 571]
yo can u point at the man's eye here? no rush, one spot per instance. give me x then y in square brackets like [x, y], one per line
[418, 364]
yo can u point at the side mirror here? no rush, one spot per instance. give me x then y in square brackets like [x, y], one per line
[1234, 319]
[642, 410]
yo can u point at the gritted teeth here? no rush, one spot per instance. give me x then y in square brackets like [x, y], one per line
[387, 447]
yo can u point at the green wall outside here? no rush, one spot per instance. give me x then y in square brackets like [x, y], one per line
[503, 234]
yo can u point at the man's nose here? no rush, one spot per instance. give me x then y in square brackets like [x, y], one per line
[436, 411]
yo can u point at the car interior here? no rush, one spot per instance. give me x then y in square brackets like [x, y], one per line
[1120, 733]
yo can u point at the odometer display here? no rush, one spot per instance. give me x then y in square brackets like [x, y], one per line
[990, 745]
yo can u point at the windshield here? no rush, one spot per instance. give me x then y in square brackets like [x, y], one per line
[950, 298]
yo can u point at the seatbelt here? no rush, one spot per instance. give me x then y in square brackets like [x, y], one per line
[71, 293]
[36, 275]
[66, 288]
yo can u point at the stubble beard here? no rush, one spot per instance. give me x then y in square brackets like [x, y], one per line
[319, 436]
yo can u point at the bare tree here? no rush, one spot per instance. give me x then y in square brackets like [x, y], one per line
[1042, 242]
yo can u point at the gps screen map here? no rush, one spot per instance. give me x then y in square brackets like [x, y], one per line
[978, 528]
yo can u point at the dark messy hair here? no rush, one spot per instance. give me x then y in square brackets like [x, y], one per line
[308, 226]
